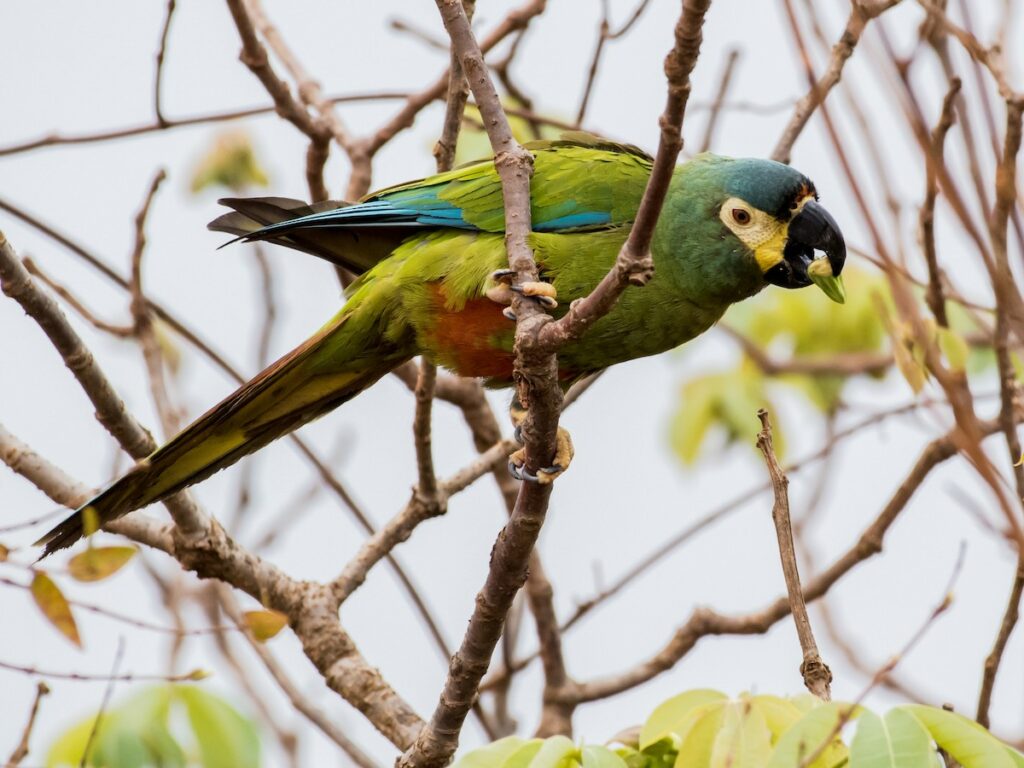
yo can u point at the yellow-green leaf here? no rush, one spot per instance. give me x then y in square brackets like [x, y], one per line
[896, 741]
[225, 738]
[492, 755]
[97, 563]
[954, 348]
[523, 754]
[231, 163]
[698, 745]
[264, 624]
[556, 752]
[744, 740]
[779, 714]
[55, 608]
[673, 717]
[596, 756]
[806, 736]
[969, 744]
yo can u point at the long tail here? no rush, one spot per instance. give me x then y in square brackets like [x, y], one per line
[303, 385]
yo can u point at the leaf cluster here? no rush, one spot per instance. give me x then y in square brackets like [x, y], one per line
[706, 729]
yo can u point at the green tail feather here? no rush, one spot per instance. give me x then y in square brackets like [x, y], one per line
[292, 392]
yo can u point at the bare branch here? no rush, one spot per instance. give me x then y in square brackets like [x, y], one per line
[321, 720]
[860, 14]
[110, 410]
[108, 691]
[21, 750]
[817, 676]
[716, 106]
[926, 221]
[158, 78]
[704, 622]
[634, 265]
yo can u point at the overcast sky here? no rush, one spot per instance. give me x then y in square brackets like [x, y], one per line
[74, 67]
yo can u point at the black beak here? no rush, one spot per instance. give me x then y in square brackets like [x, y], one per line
[813, 229]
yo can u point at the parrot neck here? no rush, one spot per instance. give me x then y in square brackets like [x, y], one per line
[694, 253]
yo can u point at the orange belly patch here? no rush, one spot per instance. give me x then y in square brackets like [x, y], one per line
[470, 341]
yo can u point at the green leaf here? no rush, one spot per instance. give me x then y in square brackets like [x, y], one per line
[97, 563]
[673, 717]
[779, 714]
[744, 740]
[555, 752]
[132, 734]
[807, 735]
[954, 348]
[521, 757]
[698, 745]
[492, 755]
[969, 744]
[55, 608]
[596, 756]
[897, 741]
[225, 738]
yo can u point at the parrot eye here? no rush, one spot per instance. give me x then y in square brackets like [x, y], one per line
[740, 216]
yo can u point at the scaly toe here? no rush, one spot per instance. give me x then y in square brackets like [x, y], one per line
[543, 293]
[548, 474]
[500, 294]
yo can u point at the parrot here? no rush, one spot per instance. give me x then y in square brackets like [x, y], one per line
[433, 281]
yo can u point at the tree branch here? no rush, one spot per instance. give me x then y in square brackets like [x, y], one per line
[817, 676]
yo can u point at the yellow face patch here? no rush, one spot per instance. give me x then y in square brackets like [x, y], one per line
[761, 232]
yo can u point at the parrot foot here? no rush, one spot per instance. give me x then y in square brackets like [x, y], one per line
[502, 293]
[564, 451]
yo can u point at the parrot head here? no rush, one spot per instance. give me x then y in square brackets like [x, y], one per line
[766, 222]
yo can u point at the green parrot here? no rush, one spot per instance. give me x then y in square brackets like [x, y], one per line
[431, 259]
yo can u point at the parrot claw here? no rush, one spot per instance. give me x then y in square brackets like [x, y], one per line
[519, 472]
[543, 293]
[505, 276]
[509, 313]
[563, 456]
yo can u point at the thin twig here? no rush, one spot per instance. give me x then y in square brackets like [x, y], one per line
[78, 677]
[120, 331]
[1009, 621]
[731, 60]
[158, 78]
[704, 622]
[112, 134]
[860, 15]
[883, 671]
[104, 703]
[142, 320]
[301, 702]
[817, 676]
[926, 221]
[110, 410]
[21, 750]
